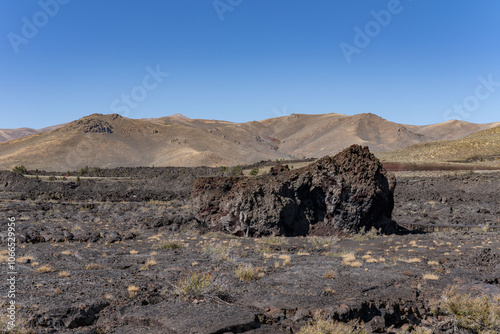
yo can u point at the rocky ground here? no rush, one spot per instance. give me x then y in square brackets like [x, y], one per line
[131, 260]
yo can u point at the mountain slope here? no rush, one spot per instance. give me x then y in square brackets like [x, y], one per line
[113, 140]
[450, 130]
[11, 134]
[483, 145]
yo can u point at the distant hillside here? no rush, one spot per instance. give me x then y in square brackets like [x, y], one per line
[113, 140]
[11, 134]
[481, 146]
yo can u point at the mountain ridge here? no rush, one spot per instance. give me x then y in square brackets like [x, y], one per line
[113, 140]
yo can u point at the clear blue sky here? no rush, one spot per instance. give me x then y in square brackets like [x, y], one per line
[242, 60]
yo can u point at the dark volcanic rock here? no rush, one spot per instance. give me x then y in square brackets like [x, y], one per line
[348, 192]
[277, 169]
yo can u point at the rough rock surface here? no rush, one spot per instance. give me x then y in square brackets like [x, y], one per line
[348, 192]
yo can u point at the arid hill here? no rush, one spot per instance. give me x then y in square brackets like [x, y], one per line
[113, 140]
[481, 146]
[11, 134]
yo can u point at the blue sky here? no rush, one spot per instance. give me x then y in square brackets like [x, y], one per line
[409, 61]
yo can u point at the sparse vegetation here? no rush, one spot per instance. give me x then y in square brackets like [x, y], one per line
[20, 325]
[44, 269]
[323, 241]
[366, 235]
[20, 169]
[478, 313]
[220, 251]
[149, 263]
[419, 330]
[63, 274]
[273, 240]
[323, 326]
[196, 284]
[348, 257]
[236, 171]
[287, 259]
[246, 272]
[93, 266]
[133, 291]
[431, 277]
[168, 244]
[412, 260]
[254, 171]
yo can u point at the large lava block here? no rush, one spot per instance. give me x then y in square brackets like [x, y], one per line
[345, 193]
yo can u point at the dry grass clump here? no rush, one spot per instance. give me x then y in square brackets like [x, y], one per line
[63, 274]
[25, 259]
[349, 259]
[246, 272]
[372, 260]
[412, 260]
[168, 244]
[263, 249]
[149, 263]
[431, 277]
[196, 284]
[323, 241]
[366, 235]
[44, 269]
[93, 266]
[323, 326]
[419, 330]
[273, 240]
[234, 243]
[133, 291]
[355, 264]
[220, 251]
[287, 259]
[478, 313]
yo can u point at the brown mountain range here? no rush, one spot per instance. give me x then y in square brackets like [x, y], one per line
[113, 140]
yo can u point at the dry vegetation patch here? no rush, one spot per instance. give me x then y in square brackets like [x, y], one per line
[44, 269]
[168, 244]
[323, 326]
[246, 272]
[478, 313]
[196, 284]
